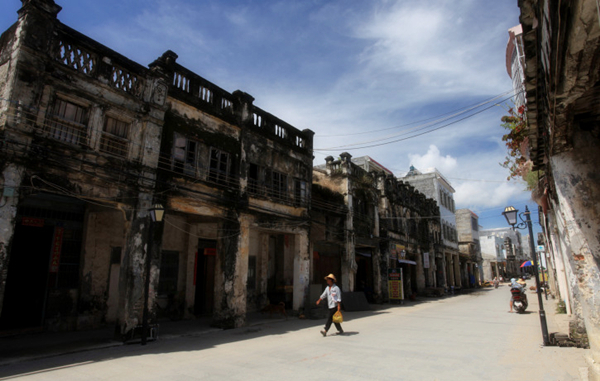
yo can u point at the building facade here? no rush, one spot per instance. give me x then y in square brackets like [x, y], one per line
[512, 248]
[562, 45]
[447, 261]
[469, 246]
[91, 140]
[515, 64]
[493, 256]
[388, 224]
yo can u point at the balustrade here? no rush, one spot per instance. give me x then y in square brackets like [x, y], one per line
[126, 81]
[75, 57]
[96, 61]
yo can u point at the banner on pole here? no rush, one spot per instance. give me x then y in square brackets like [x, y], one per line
[395, 289]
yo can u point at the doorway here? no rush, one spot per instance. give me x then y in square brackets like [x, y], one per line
[364, 273]
[26, 284]
[204, 278]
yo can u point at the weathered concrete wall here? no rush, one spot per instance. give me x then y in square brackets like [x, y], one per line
[104, 230]
[140, 232]
[301, 274]
[578, 189]
[10, 184]
[232, 272]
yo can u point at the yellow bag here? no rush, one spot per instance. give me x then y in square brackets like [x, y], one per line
[337, 317]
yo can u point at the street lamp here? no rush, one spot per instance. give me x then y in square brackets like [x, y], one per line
[157, 212]
[510, 213]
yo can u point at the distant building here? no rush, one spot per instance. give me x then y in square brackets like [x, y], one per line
[493, 256]
[434, 185]
[364, 222]
[513, 248]
[467, 224]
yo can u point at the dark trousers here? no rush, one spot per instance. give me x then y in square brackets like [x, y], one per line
[332, 312]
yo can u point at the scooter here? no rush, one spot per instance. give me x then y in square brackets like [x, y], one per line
[519, 300]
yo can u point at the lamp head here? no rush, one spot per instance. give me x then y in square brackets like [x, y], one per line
[157, 212]
[510, 213]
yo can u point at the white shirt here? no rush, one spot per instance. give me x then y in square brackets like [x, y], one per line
[333, 295]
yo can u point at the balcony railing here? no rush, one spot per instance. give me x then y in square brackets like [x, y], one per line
[92, 59]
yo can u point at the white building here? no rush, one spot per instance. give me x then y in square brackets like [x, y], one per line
[493, 254]
[434, 185]
[513, 248]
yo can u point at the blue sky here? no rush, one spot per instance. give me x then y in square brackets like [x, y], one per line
[347, 69]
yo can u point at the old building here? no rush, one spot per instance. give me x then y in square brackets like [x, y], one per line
[512, 248]
[237, 181]
[388, 224]
[81, 128]
[562, 47]
[435, 186]
[493, 256]
[91, 140]
[467, 224]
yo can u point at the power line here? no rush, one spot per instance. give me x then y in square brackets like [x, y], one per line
[451, 114]
[353, 145]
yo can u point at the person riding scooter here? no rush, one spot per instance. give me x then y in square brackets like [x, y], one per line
[517, 294]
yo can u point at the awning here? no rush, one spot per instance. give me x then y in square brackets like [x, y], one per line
[407, 261]
[363, 253]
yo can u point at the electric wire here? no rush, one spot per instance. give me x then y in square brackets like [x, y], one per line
[361, 145]
[436, 119]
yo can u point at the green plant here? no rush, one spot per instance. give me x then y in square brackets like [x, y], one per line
[517, 161]
[560, 307]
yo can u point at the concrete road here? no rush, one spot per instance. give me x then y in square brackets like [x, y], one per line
[466, 337]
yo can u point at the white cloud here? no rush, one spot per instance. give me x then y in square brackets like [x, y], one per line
[433, 159]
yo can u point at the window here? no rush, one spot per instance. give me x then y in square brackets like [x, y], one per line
[278, 186]
[251, 282]
[185, 156]
[169, 273]
[300, 192]
[114, 137]
[474, 224]
[219, 166]
[68, 122]
[253, 180]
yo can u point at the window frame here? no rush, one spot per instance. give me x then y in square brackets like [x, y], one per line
[123, 140]
[59, 125]
[217, 174]
[182, 164]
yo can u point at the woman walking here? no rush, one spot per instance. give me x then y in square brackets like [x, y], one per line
[334, 302]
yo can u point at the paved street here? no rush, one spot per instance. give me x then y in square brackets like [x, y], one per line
[465, 337]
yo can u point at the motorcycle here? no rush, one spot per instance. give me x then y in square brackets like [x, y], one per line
[519, 299]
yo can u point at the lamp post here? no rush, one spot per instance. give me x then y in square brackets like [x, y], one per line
[157, 213]
[510, 213]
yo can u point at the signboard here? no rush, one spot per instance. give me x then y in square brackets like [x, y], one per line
[397, 250]
[540, 248]
[56, 249]
[35, 222]
[395, 284]
[426, 260]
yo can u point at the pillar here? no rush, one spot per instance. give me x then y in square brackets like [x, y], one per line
[12, 177]
[231, 272]
[301, 271]
[132, 277]
[420, 272]
[379, 274]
